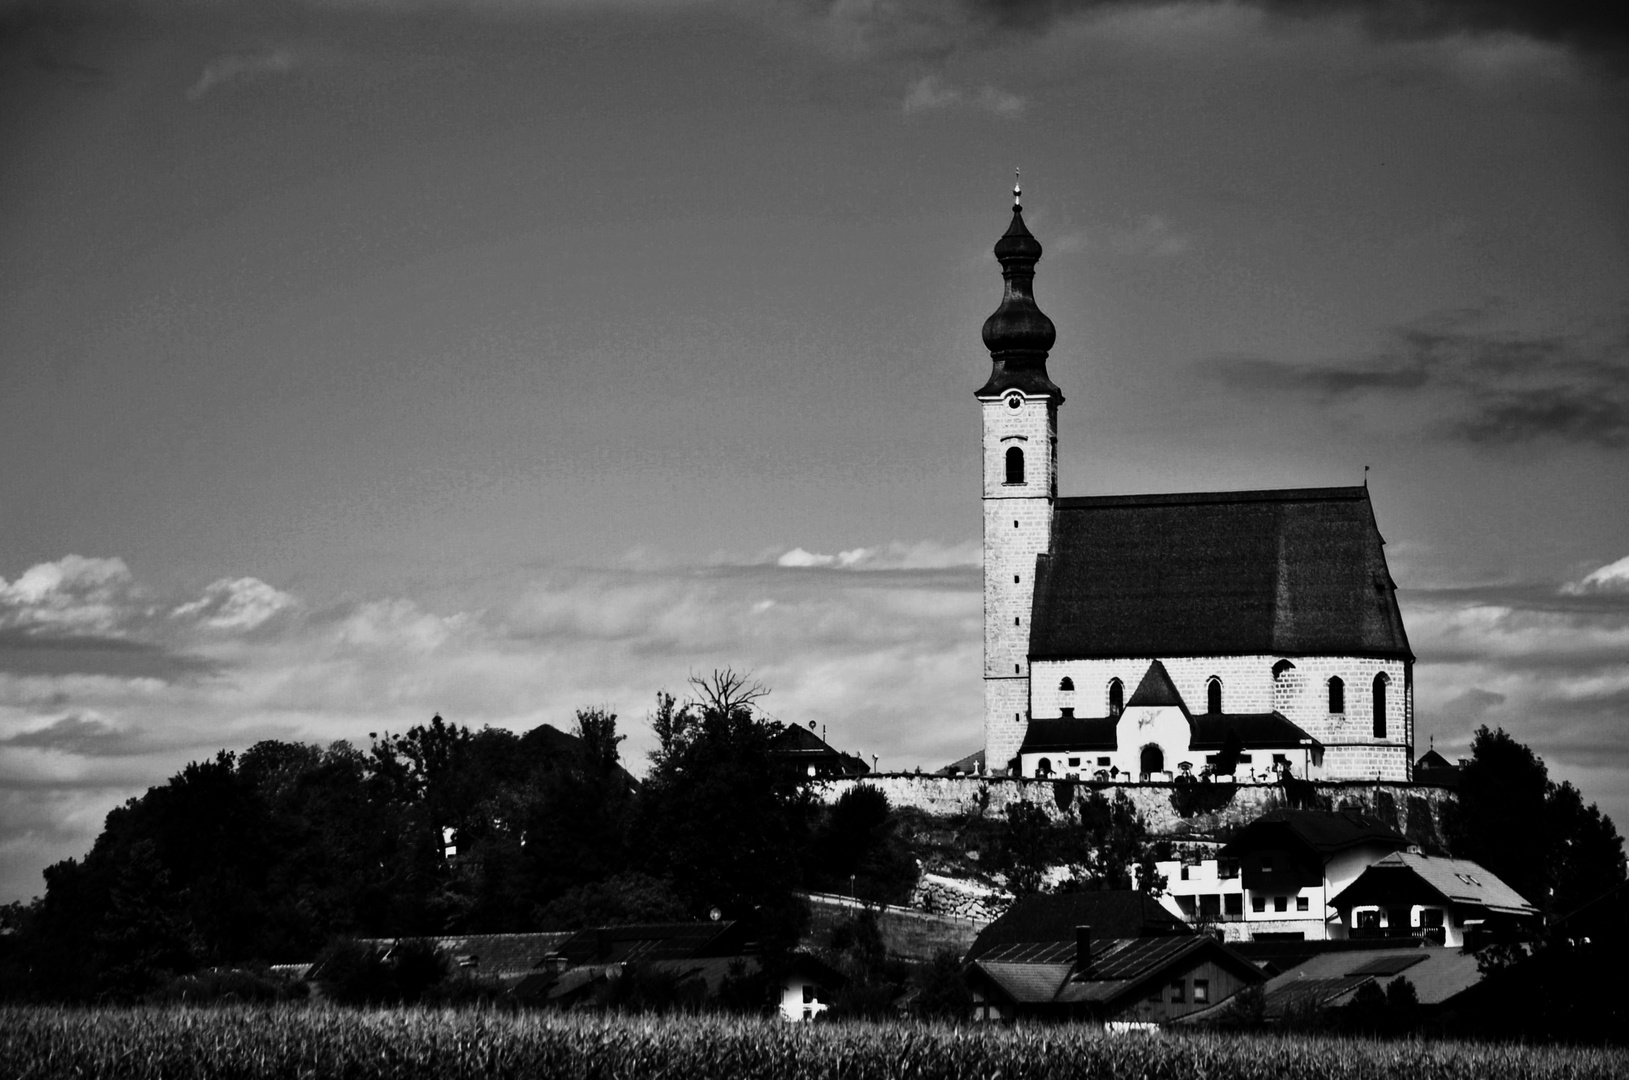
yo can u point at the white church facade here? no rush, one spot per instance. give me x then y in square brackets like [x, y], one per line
[1152, 636]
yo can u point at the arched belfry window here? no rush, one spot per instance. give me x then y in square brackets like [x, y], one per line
[1117, 697]
[1213, 695]
[1337, 695]
[1380, 682]
[1015, 465]
[1066, 684]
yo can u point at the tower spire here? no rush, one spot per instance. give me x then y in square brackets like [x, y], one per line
[1018, 334]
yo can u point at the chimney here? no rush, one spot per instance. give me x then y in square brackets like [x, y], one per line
[1083, 946]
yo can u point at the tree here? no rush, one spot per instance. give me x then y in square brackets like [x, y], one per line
[941, 992]
[1535, 834]
[718, 819]
[856, 847]
[1500, 821]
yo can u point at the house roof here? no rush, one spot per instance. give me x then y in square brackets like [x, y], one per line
[800, 745]
[1404, 874]
[1116, 969]
[501, 954]
[1433, 760]
[1050, 919]
[1331, 978]
[1325, 832]
[1290, 572]
[972, 763]
[654, 942]
[1257, 731]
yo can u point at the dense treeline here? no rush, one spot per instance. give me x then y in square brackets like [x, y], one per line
[266, 856]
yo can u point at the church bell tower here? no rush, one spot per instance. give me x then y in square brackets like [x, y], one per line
[1020, 407]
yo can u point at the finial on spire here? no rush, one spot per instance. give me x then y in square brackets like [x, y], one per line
[1017, 190]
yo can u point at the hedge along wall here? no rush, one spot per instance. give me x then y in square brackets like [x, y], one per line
[1172, 810]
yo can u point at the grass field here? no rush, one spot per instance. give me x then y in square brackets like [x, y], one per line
[284, 1042]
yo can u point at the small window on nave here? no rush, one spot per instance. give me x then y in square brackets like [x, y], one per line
[1066, 684]
[1213, 696]
[1117, 697]
[1337, 695]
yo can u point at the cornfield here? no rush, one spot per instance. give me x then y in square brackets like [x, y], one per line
[290, 1041]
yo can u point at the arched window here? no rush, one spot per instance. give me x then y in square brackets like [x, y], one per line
[1066, 684]
[1043, 767]
[1117, 697]
[1337, 695]
[1281, 667]
[1152, 759]
[1380, 682]
[1213, 696]
[1015, 465]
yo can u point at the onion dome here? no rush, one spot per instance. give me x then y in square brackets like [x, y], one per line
[1018, 334]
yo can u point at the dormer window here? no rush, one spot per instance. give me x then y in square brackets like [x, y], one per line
[1015, 465]
[1337, 695]
[1213, 696]
[1117, 697]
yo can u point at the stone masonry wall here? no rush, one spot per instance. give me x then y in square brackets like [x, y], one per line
[1414, 810]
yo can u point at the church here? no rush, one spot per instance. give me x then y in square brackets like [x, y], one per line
[1163, 637]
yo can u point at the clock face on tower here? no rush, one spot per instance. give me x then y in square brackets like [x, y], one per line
[1014, 400]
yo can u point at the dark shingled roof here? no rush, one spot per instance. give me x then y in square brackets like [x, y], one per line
[1052, 917]
[1117, 970]
[1156, 689]
[1323, 831]
[1070, 733]
[1292, 572]
[1257, 731]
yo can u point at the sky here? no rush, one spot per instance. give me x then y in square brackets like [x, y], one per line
[367, 359]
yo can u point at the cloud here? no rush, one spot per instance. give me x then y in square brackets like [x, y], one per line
[77, 734]
[1611, 578]
[1543, 663]
[1482, 387]
[939, 28]
[235, 604]
[931, 93]
[236, 67]
[72, 594]
[925, 555]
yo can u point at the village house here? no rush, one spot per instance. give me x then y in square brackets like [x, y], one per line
[697, 959]
[1148, 968]
[1290, 865]
[1450, 902]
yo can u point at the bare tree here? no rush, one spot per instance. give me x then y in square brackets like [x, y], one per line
[724, 691]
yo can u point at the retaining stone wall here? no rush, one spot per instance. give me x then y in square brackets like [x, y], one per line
[1415, 810]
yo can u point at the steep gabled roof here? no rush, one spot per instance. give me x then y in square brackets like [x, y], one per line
[1324, 832]
[1292, 572]
[1052, 917]
[1406, 876]
[1156, 689]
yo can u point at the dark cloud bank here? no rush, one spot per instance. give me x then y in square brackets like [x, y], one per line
[1488, 388]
